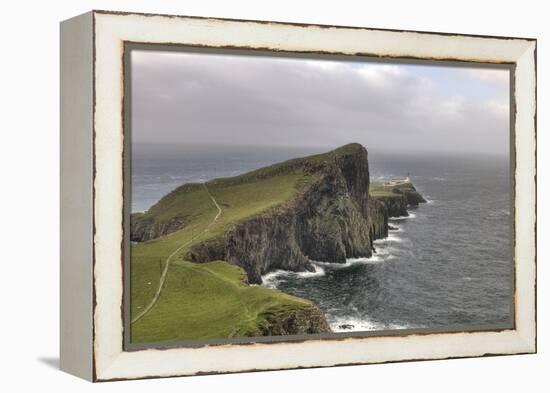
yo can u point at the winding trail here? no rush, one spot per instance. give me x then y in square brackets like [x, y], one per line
[169, 259]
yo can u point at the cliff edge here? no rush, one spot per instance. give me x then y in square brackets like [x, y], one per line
[329, 214]
[328, 220]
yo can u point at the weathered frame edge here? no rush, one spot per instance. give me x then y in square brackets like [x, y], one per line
[76, 196]
[535, 197]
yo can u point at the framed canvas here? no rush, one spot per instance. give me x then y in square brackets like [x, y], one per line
[243, 195]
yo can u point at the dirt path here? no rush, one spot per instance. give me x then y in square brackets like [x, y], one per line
[169, 259]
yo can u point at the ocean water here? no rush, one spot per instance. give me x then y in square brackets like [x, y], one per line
[447, 265]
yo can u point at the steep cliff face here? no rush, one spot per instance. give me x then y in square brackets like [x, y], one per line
[396, 205]
[378, 219]
[163, 219]
[412, 196]
[146, 229]
[331, 217]
[329, 221]
[397, 198]
[285, 216]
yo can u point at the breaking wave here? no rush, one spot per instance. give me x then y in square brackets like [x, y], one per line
[390, 238]
[272, 278]
[399, 218]
[355, 324]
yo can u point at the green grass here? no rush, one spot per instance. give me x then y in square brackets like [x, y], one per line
[204, 301]
[189, 202]
[207, 300]
[380, 189]
[383, 189]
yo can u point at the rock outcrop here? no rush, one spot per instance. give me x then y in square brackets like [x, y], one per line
[143, 230]
[144, 227]
[378, 215]
[305, 320]
[399, 198]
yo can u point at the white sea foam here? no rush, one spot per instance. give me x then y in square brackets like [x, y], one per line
[271, 279]
[319, 271]
[400, 218]
[343, 324]
[382, 254]
[396, 228]
[356, 324]
[391, 238]
[381, 251]
[376, 258]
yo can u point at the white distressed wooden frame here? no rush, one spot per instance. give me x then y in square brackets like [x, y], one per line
[92, 194]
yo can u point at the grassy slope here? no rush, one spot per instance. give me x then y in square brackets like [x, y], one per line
[209, 300]
[382, 189]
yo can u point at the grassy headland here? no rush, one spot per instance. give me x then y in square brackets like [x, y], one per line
[212, 300]
[390, 188]
[207, 300]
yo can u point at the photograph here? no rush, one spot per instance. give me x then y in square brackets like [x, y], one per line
[243, 196]
[288, 196]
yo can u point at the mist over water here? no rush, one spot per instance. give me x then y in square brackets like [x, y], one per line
[447, 264]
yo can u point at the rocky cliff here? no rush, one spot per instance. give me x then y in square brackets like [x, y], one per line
[333, 219]
[147, 226]
[397, 198]
[306, 320]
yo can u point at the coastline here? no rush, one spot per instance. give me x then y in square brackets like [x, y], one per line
[353, 324]
[320, 208]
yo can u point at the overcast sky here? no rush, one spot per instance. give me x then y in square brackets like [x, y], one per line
[225, 99]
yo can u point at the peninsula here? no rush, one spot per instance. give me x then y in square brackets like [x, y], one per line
[196, 251]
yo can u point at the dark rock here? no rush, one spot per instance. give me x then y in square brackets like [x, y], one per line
[346, 326]
[212, 250]
[143, 226]
[378, 219]
[412, 197]
[143, 230]
[402, 196]
[396, 204]
[332, 220]
[306, 320]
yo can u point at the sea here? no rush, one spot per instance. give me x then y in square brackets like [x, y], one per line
[448, 265]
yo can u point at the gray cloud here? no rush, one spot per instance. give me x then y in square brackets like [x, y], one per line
[206, 98]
